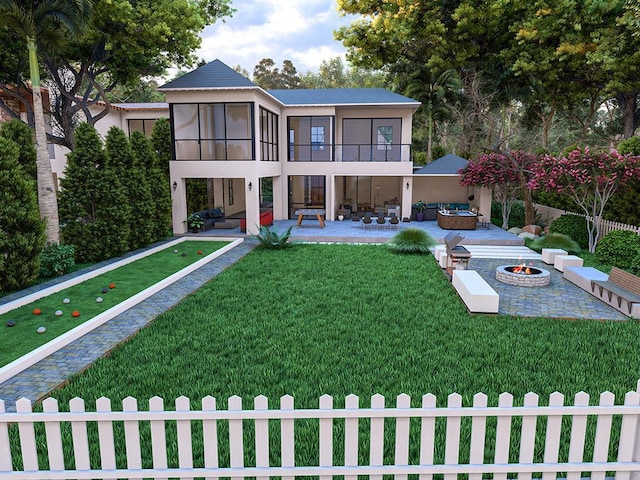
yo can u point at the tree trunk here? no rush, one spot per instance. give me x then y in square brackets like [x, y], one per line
[529, 210]
[628, 101]
[47, 197]
[429, 139]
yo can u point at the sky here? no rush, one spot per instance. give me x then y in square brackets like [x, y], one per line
[296, 30]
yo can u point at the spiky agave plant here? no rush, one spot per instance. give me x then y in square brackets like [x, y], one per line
[411, 240]
[272, 239]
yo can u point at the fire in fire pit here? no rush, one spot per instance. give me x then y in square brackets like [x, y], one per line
[523, 275]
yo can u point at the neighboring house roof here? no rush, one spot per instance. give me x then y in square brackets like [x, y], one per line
[450, 164]
[341, 96]
[140, 106]
[212, 75]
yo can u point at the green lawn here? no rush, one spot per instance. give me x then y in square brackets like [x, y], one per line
[128, 280]
[355, 319]
[344, 319]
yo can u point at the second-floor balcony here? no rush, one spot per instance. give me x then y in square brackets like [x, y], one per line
[349, 152]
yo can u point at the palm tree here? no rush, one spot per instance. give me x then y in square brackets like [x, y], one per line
[50, 23]
[436, 94]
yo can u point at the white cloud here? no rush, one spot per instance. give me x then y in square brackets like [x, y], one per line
[297, 30]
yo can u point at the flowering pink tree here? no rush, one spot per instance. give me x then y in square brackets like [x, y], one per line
[590, 179]
[508, 174]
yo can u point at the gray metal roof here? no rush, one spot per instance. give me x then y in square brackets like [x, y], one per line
[450, 164]
[341, 96]
[212, 75]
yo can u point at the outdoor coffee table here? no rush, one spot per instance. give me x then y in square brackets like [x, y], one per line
[318, 212]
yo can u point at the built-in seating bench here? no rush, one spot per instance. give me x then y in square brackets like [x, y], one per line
[621, 290]
[476, 293]
[583, 276]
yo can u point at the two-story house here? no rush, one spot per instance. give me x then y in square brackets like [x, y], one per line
[315, 148]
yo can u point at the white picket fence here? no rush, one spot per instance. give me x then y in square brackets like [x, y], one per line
[545, 440]
[548, 214]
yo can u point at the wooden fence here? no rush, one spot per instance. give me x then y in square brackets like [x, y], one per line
[548, 214]
[478, 440]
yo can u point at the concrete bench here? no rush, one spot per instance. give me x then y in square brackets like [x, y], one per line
[440, 252]
[549, 254]
[583, 276]
[476, 293]
[560, 262]
[621, 290]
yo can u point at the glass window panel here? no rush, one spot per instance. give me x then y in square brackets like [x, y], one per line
[187, 150]
[136, 126]
[238, 121]
[207, 121]
[185, 121]
[238, 149]
[218, 121]
[221, 150]
[208, 150]
[148, 127]
[385, 137]
[317, 138]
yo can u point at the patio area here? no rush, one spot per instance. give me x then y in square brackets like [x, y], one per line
[348, 231]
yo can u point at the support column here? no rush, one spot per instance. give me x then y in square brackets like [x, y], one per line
[252, 202]
[179, 205]
[407, 196]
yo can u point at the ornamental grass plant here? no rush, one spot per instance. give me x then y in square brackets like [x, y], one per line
[411, 240]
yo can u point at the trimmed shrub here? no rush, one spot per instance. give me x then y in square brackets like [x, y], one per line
[56, 260]
[21, 133]
[411, 240]
[22, 235]
[555, 240]
[619, 248]
[574, 227]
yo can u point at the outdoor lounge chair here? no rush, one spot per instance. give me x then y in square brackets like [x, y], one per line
[380, 220]
[366, 221]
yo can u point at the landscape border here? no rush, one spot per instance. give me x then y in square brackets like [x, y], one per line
[61, 341]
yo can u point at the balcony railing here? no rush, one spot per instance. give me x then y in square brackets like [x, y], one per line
[351, 152]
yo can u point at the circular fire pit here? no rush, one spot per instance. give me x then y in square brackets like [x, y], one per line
[523, 276]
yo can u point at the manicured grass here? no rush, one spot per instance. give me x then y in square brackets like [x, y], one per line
[128, 280]
[344, 319]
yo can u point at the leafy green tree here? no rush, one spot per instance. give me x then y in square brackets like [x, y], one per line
[93, 204]
[269, 77]
[160, 200]
[333, 73]
[20, 133]
[133, 177]
[437, 93]
[141, 91]
[44, 23]
[22, 235]
[125, 40]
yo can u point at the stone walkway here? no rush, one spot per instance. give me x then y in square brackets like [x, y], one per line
[37, 381]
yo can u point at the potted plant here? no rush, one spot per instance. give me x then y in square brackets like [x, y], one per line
[195, 222]
[421, 206]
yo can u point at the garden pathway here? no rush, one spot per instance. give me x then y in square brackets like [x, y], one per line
[37, 381]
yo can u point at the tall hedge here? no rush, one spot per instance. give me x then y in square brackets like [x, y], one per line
[148, 160]
[22, 235]
[161, 140]
[94, 209]
[20, 133]
[136, 185]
